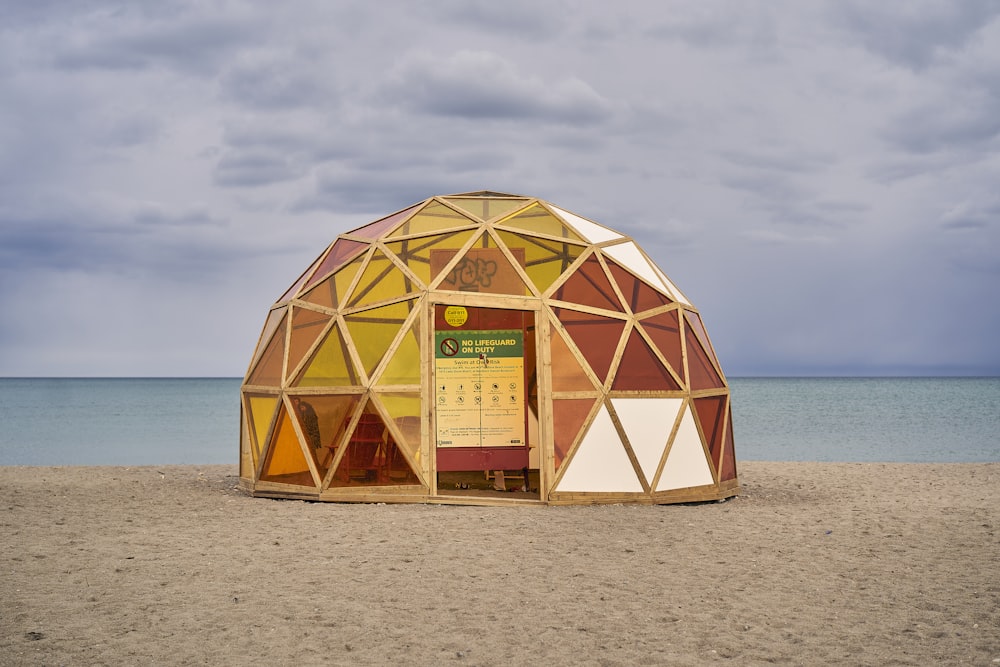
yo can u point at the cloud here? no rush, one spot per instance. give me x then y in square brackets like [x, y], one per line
[480, 86]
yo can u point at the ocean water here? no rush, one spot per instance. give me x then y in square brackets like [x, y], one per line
[142, 421]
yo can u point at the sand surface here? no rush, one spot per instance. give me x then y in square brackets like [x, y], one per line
[853, 564]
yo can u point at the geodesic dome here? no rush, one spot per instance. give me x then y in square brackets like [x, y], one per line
[486, 348]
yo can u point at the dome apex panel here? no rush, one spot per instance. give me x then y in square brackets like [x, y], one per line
[479, 337]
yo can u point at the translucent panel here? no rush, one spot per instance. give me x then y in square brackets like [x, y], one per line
[403, 440]
[482, 270]
[268, 370]
[600, 462]
[640, 370]
[567, 374]
[647, 423]
[342, 251]
[376, 229]
[286, 462]
[405, 409]
[273, 318]
[404, 366]
[589, 286]
[686, 463]
[323, 421]
[330, 365]
[381, 280]
[638, 294]
[591, 231]
[371, 456]
[665, 331]
[261, 412]
[597, 337]
[710, 412]
[434, 217]
[332, 291]
[728, 455]
[536, 219]
[702, 374]
[297, 285]
[544, 260]
[416, 253]
[486, 208]
[694, 322]
[372, 331]
[307, 325]
[629, 255]
[568, 417]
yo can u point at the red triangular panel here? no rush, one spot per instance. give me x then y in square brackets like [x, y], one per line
[568, 417]
[702, 373]
[728, 454]
[665, 331]
[639, 295]
[596, 337]
[342, 252]
[710, 412]
[640, 370]
[589, 286]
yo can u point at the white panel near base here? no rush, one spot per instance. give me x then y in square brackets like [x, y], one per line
[686, 463]
[647, 423]
[591, 231]
[601, 462]
[631, 257]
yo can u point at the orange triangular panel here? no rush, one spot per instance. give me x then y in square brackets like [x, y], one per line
[307, 325]
[567, 374]
[665, 332]
[285, 462]
[364, 460]
[589, 286]
[638, 294]
[268, 370]
[322, 421]
[701, 372]
[640, 370]
[596, 337]
[482, 270]
[568, 418]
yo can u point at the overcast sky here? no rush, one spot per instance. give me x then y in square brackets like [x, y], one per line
[822, 179]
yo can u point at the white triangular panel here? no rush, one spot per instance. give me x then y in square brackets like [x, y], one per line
[630, 256]
[686, 463]
[678, 295]
[591, 231]
[601, 462]
[647, 423]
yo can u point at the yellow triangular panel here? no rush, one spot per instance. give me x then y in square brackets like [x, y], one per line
[372, 331]
[536, 219]
[330, 365]
[420, 254]
[261, 414]
[485, 208]
[404, 366]
[434, 217]
[380, 280]
[545, 260]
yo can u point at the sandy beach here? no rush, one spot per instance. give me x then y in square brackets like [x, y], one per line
[814, 563]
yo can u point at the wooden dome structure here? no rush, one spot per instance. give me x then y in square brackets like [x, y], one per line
[486, 348]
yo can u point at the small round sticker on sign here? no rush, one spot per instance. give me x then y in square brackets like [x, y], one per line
[456, 316]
